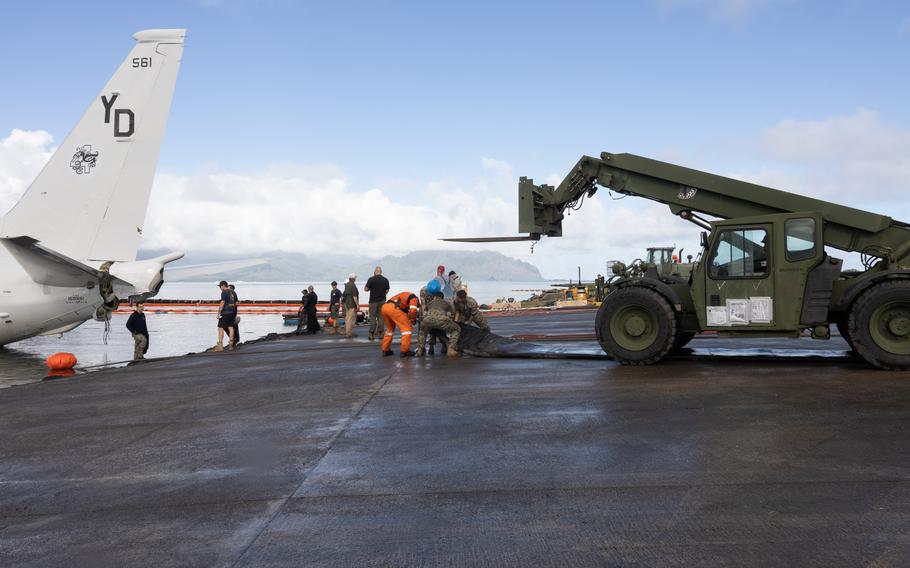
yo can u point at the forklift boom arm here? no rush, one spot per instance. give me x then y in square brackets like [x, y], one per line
[689, 192]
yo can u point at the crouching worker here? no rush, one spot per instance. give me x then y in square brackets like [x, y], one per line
[136, 326]
[437, 317]
[401, 312]
[467, 312]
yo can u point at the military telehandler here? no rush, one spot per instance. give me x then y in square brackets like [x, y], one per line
[763, 269]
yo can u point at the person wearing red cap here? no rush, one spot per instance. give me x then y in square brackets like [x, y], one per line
[442, 279]
[401, 312]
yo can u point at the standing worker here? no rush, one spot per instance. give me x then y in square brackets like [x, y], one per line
[301, 313]
[136, 326]
[401, 312]
[454, 285]
[442, 279]
[312, 326]
[351, 301]
[334, 305]
[437, 317]
[237, 318]
[467, 311]
[378, 286]
[227, 312]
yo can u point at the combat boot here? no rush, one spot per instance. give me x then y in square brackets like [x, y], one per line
[388, 353]
[219, 347]
[421, 352]
[407, 354]
[453, 353]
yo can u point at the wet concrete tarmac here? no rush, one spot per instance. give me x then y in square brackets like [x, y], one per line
[319, 452]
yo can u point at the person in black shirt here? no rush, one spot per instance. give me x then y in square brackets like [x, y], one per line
[136, 326]
[227, 313]
[236, 318]
[302, 313]
[312, 326]
[378, 286]
[334, 306]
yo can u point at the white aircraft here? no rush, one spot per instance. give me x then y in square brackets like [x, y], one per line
[69, 245]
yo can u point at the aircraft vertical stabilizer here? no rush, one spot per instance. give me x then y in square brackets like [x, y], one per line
[90, 200]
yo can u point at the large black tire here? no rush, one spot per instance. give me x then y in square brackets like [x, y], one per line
[879, 325]
[636, 326]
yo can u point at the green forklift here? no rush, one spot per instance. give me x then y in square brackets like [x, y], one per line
[763, 269]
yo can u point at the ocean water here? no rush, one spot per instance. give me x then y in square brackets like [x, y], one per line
[483, 292]
[177, 334]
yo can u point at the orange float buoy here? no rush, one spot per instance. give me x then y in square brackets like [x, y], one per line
[330, 321]
[61, 361]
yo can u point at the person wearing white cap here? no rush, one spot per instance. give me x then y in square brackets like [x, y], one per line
[350, 299]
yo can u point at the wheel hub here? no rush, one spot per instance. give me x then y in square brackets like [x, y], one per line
[890, 327]
[635, 326]
[899, 326]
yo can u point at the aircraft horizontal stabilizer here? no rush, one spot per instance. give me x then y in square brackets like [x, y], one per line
[531, 237]
[191, 270]
[48, 267]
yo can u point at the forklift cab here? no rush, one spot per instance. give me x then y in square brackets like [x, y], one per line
[659, 255]
[755, 273]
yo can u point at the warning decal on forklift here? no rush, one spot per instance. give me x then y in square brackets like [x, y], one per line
[739, 311]
[762, 310]
[718, 316]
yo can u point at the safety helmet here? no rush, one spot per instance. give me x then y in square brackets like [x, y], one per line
[433, 287]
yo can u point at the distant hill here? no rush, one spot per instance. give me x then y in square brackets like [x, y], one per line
[418, 265]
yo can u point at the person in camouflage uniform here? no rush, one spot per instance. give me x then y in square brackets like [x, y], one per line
[437, 317]
[433, 336]
[467, 311]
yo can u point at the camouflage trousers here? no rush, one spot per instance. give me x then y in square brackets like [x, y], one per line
[434, 321]
[481, 322]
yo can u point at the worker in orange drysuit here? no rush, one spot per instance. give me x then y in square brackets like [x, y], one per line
[400, 311]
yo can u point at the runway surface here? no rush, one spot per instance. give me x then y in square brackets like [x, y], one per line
[316, 451]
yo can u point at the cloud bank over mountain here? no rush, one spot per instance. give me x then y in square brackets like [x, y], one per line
[859, 159]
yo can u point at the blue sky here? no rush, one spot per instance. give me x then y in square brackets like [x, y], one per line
[413, 97]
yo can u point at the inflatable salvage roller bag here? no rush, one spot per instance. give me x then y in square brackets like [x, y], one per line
[61, 361]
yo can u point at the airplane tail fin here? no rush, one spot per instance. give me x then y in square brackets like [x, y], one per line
[90, 200]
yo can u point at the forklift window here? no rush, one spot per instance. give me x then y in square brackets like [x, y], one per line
[800, 239]
[740, 253]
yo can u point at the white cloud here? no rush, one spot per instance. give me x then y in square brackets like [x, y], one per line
[859, 136]
[314, 209]
[22, 155]
[309, 209]
[857, 159]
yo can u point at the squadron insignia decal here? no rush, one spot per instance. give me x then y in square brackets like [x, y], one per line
[84, 159]
[687, 192]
